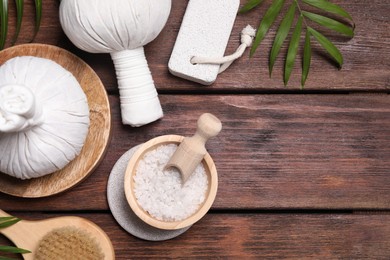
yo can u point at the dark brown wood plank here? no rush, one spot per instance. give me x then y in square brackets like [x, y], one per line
[366, 67]
[282, 236]
[275, 151]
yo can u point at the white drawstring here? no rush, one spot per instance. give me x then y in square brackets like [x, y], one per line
[247, 36]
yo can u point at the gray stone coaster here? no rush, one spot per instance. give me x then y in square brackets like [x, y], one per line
[121, 210]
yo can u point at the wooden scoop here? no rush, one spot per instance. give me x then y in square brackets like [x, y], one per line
[28, 234]
[192, 150]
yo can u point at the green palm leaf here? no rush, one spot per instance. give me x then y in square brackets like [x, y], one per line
[292, 50]
[249, 6]
[19, 16]
[281, 35]
[14, 250]
[328, 45]
[306, 58]
[8, 221]
[3, 22]
[285, 26]
[268, 20]
[4, 219]
[38, 16]
[328, 7]
[329, 23]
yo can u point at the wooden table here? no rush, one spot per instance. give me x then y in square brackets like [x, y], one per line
[302, 173]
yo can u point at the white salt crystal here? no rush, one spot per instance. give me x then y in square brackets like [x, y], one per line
[161, 193]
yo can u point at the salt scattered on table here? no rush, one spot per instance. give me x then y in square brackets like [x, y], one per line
[161, 192]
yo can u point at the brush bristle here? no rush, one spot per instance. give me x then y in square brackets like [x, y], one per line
[68, 243]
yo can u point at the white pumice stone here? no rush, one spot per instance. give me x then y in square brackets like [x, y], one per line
[204, 32]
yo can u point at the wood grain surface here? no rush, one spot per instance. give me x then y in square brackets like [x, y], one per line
[260, 236]
[275, 151]
[99, 129]
[366, 56]
[303, 174]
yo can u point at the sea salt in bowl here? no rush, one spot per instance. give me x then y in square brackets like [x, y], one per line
[129, 185]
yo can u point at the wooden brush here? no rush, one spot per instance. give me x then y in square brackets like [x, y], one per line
[60, 238]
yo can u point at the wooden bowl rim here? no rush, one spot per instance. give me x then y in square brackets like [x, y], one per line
[132, 201]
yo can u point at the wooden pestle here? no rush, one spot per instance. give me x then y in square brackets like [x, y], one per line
[192, 150]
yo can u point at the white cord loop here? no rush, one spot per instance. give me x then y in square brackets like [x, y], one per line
[247, 36]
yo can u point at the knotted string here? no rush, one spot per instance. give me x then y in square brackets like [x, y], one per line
[247, 36]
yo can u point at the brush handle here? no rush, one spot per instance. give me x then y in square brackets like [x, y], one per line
[13, 232]
[24, 234]
[4, 214]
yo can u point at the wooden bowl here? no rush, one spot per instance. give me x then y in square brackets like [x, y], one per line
[152, 144]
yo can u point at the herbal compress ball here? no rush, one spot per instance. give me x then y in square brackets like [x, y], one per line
[44, 117]
[121, 28]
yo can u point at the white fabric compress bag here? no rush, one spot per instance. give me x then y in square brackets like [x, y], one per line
[44, 117]
[121, 28]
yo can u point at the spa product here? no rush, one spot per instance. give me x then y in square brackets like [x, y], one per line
[129, 185]
[161, 193]
[121, 28]
[192, 150]
[202, 40]
[60, 238]
[44, 117]
[121, 211]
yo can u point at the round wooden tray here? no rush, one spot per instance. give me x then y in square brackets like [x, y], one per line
[98, 136]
